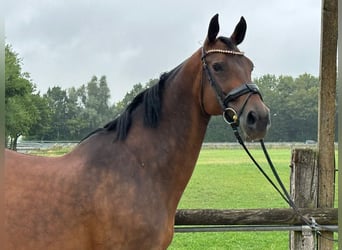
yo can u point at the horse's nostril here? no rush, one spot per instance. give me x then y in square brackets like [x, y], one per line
[251, 118]
[257, 122]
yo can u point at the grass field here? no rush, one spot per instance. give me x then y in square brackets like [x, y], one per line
[227, 179]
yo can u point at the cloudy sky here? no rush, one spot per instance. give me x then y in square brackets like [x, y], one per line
[65, 43]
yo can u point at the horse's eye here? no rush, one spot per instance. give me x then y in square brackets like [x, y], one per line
[217, 67]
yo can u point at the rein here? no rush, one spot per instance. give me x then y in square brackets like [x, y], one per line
[231, 117]
[311, 222]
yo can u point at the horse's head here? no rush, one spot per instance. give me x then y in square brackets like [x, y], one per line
[228, 72]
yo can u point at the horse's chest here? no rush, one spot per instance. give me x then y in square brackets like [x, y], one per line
[135, 224]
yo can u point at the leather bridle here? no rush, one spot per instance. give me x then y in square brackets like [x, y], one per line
[232, 118]
[229, 114]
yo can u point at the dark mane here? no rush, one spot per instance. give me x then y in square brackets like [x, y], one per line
[151, 99]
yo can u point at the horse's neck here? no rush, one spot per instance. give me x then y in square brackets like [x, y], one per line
[175, 144]
[183, 118]
[169, 152]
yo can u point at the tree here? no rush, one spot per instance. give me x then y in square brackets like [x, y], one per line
[304, 101]
[293, 104]
[41, 127]
[17, 83]
[95, 98]
[74, 122]
[73, 113]
[57, 103]
[121, 105]
[21, 111]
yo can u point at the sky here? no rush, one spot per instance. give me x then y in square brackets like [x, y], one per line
[65, 43]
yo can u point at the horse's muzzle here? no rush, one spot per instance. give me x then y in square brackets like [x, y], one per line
[255, 123]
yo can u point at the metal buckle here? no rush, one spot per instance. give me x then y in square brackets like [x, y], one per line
[230, 116]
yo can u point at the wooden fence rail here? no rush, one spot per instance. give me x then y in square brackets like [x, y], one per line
[274, 216]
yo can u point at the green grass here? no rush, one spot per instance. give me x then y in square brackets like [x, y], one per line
[227, 179]
[230, 240]
[53, 151]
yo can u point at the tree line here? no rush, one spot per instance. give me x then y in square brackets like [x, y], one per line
[70, 114]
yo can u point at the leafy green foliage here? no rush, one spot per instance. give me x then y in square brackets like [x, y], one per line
[17, 82]
[293, 104]
[23, 106]
[57, 115]
[76, 112]
[70, 114]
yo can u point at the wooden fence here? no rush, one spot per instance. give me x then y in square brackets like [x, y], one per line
[274, 216]
[304, 186]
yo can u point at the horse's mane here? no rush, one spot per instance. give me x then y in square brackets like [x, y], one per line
[151, 99]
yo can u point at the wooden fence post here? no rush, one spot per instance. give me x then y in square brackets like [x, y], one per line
[339, 84]
[326, 113]
[304, 185]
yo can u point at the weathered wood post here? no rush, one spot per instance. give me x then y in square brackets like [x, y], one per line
[339, 84]
[326, 113]
[304, 185]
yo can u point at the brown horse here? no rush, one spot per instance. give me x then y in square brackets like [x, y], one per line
[119, 188]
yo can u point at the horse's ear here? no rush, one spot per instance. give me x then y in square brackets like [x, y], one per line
[214, 28]
[239, 32]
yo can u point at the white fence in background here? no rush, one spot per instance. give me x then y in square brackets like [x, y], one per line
[26, 146]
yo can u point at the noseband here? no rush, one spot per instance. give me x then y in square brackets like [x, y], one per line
[229, 114]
